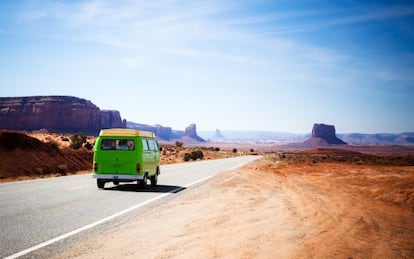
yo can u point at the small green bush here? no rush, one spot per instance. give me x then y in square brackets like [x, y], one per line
[197, 154]
[88, 146]
[187, 157]
[194, 155]
[77, 140]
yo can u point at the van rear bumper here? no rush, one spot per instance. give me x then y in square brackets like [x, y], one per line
[118, 177]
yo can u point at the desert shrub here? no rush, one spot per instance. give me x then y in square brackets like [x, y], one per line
[251, 150]
[187, 157]
[234, 150]
[194, 155]
[217, 149]
[88, 146]
[178, 144]
[77, 140]
[198, 154]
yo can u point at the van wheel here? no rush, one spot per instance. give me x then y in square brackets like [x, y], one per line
[154, 180]
[143, 182]
[100, 183]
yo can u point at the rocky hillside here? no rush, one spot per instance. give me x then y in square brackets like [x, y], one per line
[24, 157]
[55, 113]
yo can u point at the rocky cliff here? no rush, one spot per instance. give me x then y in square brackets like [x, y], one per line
[323, 135]
[164, 133]
[189, 136]
[55, 113]
[111, 119]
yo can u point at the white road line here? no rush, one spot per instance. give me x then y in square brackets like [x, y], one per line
[79, 230]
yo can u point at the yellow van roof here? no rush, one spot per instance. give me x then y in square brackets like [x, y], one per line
[126, 132]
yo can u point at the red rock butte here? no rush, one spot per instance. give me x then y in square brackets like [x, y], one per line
[56, 113]
[323, 135]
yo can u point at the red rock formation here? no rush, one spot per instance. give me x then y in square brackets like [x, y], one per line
[54, 113]
[163, 133]
[323, 135]
[111, 119]
[190, 135]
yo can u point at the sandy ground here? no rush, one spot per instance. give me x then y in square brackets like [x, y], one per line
[273, 209]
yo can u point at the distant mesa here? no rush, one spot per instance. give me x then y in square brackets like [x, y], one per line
[323, 135]
[111, 119]
[68, 114]
[189, 136]
[217, 135]
[64, 114]
[163, 133]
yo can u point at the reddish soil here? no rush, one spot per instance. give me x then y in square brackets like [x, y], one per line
[316, 204]
[24, 157]
[321, 203]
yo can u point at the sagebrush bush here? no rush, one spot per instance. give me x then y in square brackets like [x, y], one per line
[194, 155]
[77, 140]
[88, 146]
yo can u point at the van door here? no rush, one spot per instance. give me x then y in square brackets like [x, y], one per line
[146, 156]
[154, 150]
[117, 156]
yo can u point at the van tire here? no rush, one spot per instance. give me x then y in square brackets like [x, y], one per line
[154, 180]
[143, 182]
[100, 183]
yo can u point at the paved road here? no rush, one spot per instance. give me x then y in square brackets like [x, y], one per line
[41, 211]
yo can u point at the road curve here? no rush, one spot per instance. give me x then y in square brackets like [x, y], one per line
[40, 212]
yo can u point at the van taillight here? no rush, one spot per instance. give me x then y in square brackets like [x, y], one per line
[138, 168]
[95, 167]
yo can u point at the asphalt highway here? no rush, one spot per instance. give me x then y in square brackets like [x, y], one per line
[37, 213]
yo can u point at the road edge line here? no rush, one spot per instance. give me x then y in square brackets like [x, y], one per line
[99, 222]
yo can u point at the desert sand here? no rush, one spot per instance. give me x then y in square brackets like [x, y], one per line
[317, 203]
[323, 204]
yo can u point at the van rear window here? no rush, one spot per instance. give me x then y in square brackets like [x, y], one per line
[117, 144]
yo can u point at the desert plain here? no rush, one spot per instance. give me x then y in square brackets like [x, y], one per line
[316, 203]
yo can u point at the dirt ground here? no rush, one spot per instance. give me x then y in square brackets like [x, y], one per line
[320, 204]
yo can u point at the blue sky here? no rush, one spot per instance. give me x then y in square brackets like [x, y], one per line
[232, 65]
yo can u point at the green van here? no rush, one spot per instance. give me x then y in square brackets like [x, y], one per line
[126, 155]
